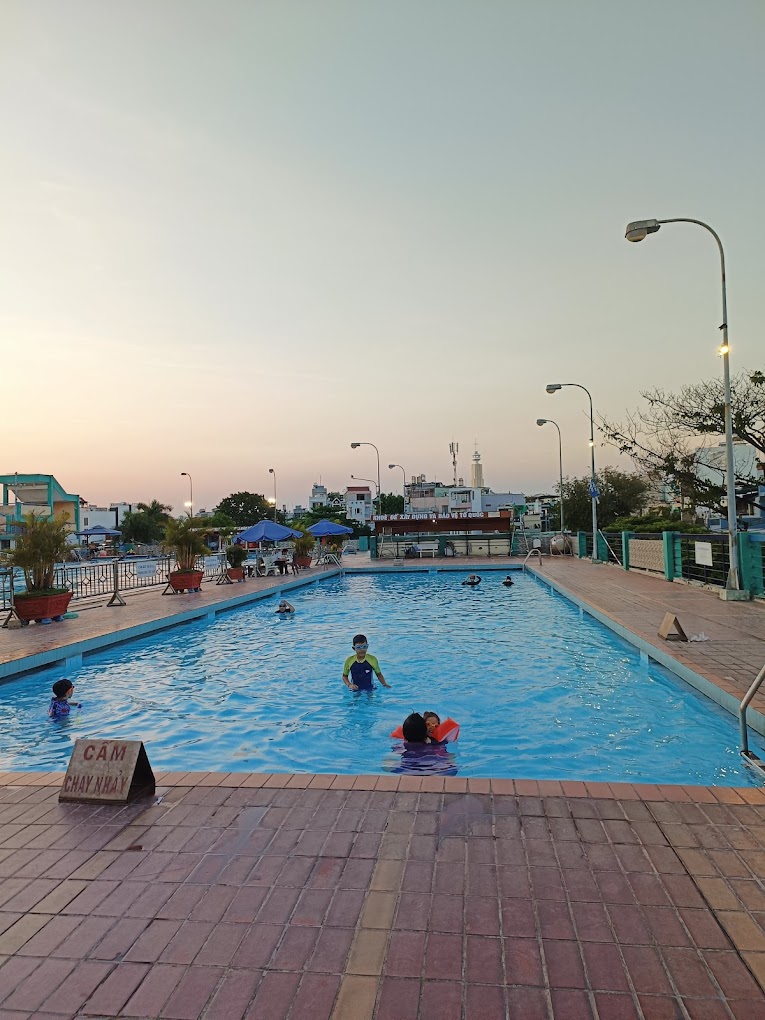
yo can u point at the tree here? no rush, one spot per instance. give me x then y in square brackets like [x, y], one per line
[669, 437]
[245, 508]
[621, 495]
[654, 523]
[145, 525]
[390, 503]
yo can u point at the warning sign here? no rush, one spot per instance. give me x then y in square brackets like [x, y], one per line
[110, 771]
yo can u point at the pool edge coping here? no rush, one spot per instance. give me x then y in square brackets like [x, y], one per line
[388, 783]
[705, 686]
[74, 650]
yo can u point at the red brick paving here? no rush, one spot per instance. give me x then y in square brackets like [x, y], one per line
[534, 901]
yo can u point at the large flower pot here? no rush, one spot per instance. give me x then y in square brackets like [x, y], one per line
[185, 580]
[235, 573]
[303, 562]
[42, 608]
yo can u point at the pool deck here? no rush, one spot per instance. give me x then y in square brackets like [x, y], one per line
[382, 898]
[277, 897]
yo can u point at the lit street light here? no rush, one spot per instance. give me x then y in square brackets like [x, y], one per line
[355, 446]
[553, 388]
[190, 503]
[637, 231]
[549, 421]
[391, 466]
[272, 472]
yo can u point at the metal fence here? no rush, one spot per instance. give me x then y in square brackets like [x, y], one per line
[612, 540]
[104, 577]
[696, 551]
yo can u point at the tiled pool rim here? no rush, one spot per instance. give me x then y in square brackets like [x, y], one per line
[70, 654]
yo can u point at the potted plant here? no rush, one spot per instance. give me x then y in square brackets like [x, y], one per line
[185, 539]
[236, 555]
[304, 550]
[41, 544]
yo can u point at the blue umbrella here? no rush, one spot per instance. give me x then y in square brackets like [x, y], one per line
[326, 528]
[267, 531]
[99, 529]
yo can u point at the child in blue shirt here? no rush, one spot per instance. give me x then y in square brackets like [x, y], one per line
[59, 703]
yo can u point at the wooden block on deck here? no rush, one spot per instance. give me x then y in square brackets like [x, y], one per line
[669, 623]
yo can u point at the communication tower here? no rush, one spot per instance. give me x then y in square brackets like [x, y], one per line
[454, 449]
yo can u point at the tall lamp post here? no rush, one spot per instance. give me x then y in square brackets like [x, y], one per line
[553, 388]
[190, 504]
[549, 421]
[272, 472]
[637, 231]
[390, 467]
[355, 446]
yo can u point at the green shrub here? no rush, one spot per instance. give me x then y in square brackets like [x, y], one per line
[236, 555]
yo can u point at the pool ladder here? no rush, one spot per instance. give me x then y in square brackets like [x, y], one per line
[749, 756]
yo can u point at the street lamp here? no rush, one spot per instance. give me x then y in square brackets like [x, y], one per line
[358, 478]
[355, 446]
[553, 388]
[549, 421]
[637, 231]
[272, 472]
[391, 466]
[190, 503]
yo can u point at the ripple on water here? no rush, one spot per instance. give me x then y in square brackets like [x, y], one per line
[540, 690]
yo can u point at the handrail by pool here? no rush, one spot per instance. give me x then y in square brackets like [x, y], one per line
[750, 756]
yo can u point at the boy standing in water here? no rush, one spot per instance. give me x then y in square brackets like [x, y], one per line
[358, 668]
[59, 703]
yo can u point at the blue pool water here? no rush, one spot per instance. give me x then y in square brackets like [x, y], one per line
[540, 690]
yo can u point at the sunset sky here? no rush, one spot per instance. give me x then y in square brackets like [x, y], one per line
[240, 235]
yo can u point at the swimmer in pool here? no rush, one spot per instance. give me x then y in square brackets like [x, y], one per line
[285, 607]
[358, 668]
[59, 704]
[472, 580]
[415, 729]
[508, 582]
[432, 722]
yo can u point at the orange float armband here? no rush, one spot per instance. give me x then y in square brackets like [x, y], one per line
[448, 731]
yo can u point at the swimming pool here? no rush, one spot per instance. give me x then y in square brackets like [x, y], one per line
[541, 691]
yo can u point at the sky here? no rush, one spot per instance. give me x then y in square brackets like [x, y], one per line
[240, 235]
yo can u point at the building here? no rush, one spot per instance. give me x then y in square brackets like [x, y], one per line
[483, 500]
[319, 496]
[41, 495]
[106, 517]
[748, 463]
[476, 472]
[358, 504]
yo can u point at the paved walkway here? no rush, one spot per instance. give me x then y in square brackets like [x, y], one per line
[383, 898]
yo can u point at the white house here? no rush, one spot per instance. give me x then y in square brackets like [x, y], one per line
[358, 504]
[105, 517]
[481, 500]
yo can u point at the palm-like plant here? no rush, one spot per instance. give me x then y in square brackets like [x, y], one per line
[41, 544]
[236, 555]
[185, 537]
